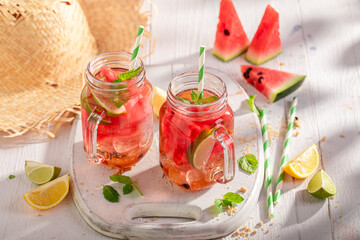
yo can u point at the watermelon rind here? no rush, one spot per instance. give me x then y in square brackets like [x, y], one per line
[231, 57]
[287, 88]
[255, 61]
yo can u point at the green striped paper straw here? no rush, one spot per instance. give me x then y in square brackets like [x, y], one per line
[201, 71]
[267, 155]
[285, 153]
[136, 47]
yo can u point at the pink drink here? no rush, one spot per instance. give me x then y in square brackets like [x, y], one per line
[123, 137]
[181, 125]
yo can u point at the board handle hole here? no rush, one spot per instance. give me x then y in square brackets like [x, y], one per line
[163, 213]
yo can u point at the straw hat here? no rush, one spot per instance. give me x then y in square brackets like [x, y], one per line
[44, 46]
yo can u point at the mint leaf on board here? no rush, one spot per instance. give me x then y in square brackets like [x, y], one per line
[127, 181]
[228, 200]
[128, 188]
[11, 176]
[129, 74]
[218, 204]
[252, 105]
[183, 100]
[248, 163]
[233, 197]
[121, 179]
[110, 194]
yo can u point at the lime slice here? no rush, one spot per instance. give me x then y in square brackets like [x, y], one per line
[200, 150]
[85, 92]
[321, 185]
[111, 109]
[40, 173]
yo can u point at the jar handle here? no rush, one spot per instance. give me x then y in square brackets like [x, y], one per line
[224, 138]
[92, 123]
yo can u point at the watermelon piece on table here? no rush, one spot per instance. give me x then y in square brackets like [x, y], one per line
[273, 84]
[266, 43]
[231, 40]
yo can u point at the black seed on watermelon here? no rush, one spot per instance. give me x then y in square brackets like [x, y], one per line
[187, 186]
[273, 84]
[259, 73]
[226, 32]
[246, 73]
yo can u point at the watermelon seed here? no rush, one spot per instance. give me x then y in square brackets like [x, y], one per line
[260, 78]
[161, 164]
[226, 32]
[259, 73]
[187, 186]
[246, 73]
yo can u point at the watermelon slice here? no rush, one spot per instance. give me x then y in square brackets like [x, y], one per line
[266, 43]
[273, 84]
[231, 40]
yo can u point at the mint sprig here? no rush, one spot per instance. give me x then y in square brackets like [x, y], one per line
[198, 99]
[183, 100]
[129, 184]
[228, 199]
[248, 163]
[110, 194]
[129, 74]
[11, 176]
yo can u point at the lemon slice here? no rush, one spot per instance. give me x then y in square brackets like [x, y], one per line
[158, 99]
[40, 173]
[321, 185]
[304, 164]
[48, 195]
[200, 150]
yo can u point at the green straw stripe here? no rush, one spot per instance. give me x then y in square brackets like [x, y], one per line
[267, 162]
[268, 181]
[291, 125]
[293, 110]
[202, 49]
[264, 129]
[281, 177]
[135, 53]
[201, 74]
[283, 160]
[277, 195]
[270, 200]
[136, 47]
[266, 145]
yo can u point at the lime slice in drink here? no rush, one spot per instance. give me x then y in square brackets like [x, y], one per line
[200, 150]
[110, 107]
[40, 173]
[86, 105]
[321, 185]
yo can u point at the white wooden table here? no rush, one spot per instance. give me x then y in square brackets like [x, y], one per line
[320, 39]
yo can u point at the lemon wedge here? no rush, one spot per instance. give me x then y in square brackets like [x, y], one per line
[158, 99]
[48, 195]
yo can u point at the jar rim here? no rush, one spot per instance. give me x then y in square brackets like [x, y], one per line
[210, 80]
[100, 59]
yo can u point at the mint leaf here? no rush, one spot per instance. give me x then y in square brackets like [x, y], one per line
[195, 96]
[252, 105]
[128, 188]
[110, 194]
[127, 181]
[228, 200]
[207, 100]
[11, 176]
[218, 204]
[117, 97]
[248, 163]
[129, 74]
[183, 100]
[233, 197]
[121, 179]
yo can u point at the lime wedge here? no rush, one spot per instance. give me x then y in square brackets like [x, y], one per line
[85, 92]
[321, 185]
[200, 150]
[111, 109]
[40, 173]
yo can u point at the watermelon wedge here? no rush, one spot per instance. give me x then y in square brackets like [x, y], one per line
[273, 84]
[266, 43]
[231, 40]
